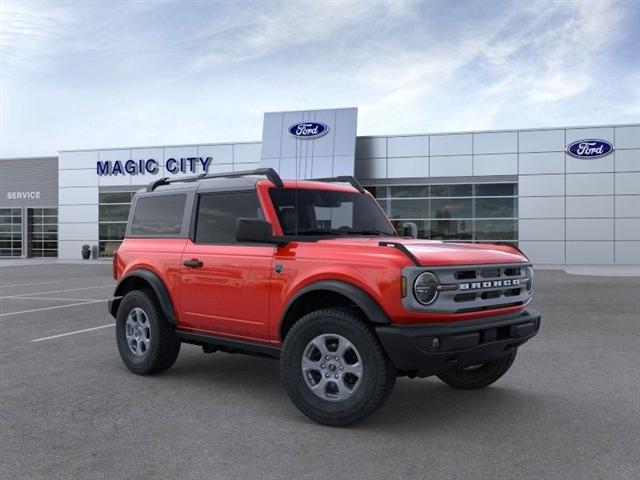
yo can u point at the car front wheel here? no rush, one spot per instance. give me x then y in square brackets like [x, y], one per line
[334, 369]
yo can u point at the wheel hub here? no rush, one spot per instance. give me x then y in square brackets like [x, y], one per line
[138, 331]
[332, 367]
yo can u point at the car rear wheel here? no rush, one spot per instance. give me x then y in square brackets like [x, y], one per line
[479, 376]
[146, 341]
[334, 369]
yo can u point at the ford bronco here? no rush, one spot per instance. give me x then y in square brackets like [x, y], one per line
[313, 273]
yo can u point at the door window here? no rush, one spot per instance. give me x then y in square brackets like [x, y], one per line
[217, 215]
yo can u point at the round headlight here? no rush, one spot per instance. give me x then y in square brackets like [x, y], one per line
[425, 288]
[529, 277]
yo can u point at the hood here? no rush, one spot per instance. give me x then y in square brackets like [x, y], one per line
[438, 253]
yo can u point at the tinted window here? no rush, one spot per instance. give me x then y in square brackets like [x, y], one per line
[326, 212]
[217, 215]
[158, 215]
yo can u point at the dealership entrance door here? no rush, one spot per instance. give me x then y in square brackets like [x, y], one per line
[42, 232]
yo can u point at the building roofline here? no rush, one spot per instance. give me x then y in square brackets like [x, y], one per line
[37, 157]
[468, 132]
[418, 134]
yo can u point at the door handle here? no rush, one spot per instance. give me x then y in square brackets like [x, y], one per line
[193, 263]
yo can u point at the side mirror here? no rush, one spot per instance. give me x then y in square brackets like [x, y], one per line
[253, 230]
[409, 229]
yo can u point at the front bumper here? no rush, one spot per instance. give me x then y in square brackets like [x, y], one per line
[425, 350]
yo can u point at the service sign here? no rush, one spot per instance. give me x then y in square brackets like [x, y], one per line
[589, 149]
[308, 130]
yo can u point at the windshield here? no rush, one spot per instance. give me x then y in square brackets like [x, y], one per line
[325, 212]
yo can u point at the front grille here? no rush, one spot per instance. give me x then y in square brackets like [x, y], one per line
[473, 288]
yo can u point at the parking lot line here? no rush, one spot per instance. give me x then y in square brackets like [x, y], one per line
[51, 308]
[29, 284]
[53, 298]
[72, 333]
[57, 291]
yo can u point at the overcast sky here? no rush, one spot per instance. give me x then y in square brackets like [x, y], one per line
[106, 74]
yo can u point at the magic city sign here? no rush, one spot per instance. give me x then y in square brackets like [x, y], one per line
[151, 166]
[589, 148]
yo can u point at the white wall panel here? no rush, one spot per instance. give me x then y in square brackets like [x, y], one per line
[78, 213]
[459, 144]
[627, 160]
[541, 185]
[627, 206]
[78, 196]
[589, 207]
[495, 142]
[85, 159]
[603, 133]
[628, 183]
[238, 167]
[77, 178]
[246, 153]
[628, 253]
[117, 180]
[543, 252]
[541, 207]
[582, 165]
[461, 165]
[504, 164]
[417, 146]
[547, 229]
[628, 137]
[372, 147]
[627, 228]
[590, 184]
[146, 154]
[586, 253]
[342, 165]
[371, 168]
[545, 162]
[589, 229]
[78, 231]
[219, 153]
[542, 141]
[408, 167]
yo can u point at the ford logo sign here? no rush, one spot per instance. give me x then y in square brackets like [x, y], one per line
[308, 130]
[590, 148]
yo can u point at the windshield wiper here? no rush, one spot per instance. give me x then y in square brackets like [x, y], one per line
[370, 232]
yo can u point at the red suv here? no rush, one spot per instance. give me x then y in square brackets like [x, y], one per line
[313, 273]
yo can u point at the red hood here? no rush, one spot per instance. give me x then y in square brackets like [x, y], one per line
[436, 253]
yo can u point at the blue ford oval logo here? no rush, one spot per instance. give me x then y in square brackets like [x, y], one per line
[590, 148]
[308, 130]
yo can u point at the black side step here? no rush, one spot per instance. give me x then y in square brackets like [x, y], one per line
[228, 344]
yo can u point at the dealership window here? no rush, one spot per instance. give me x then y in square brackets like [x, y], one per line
[10, 232]
[42, 228]
[481, 212]
[113, 212]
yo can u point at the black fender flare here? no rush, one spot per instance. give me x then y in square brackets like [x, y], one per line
[359, 297]
[156, 285]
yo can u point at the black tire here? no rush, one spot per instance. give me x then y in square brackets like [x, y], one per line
[472, 378]
[378, 376]
[164, 344]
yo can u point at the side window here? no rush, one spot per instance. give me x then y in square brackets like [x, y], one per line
[218, 212]
[158, 215]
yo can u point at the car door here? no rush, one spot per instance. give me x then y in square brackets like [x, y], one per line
[225, 284]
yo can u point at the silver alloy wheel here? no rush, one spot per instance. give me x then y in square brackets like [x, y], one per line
[138, 332]
[332, 367]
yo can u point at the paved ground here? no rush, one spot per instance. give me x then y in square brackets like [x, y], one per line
[569, 408]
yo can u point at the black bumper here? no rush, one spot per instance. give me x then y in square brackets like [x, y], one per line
[426, 350]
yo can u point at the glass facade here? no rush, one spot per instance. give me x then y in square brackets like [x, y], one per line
[481, 212]
[113, 213]
[42, 229]
[10, 232]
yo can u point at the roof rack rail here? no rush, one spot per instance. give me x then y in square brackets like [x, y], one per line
[343, 178]
[270, 173]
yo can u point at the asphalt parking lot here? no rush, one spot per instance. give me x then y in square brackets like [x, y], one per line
[569, 407]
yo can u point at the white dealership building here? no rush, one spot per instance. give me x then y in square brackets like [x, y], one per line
[566, 195]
